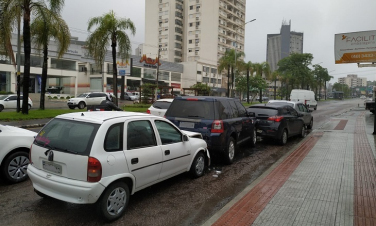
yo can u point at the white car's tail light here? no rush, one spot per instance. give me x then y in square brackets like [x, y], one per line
[94, 170]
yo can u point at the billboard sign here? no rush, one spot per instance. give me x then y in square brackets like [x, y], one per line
[355, 47]
[123, 68]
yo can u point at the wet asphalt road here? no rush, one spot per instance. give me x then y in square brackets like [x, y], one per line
[177, 201]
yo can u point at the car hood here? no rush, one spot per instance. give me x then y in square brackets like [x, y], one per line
[15, 131]
[192, 134]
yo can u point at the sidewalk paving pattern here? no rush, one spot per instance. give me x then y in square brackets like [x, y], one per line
[329, 179]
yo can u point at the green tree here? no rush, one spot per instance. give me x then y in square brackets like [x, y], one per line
[42, 31]
[262, 69]
[11, 12]
[201, 88]
[249, 69]
[296, 66]
[342, 87]
[110, 30]
[230, 62]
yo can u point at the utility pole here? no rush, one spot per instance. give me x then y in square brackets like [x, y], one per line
[18, 63]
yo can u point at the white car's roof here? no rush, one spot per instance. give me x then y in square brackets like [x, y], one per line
[166, 100]
[100, 116]
[283, 101]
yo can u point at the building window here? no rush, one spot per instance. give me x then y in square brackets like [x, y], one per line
[191, 7]
[190, 41]
[199, 72]
[176, 77]
[205, 79]
[190, 24]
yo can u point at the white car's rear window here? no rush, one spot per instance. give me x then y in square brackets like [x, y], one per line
[67, 136]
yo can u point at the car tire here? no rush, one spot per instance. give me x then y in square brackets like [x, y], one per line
[315, 108]
[72, 107]
[42, 195]
[230, 151]
[198, 166]
[303, 132]
[81, 105]
[1, 108]
[310, 125]
[253, 138]
[283, 138]
[14, 167]
[113, 201]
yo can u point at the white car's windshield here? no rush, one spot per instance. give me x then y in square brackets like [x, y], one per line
[82, 95]
[3, 97]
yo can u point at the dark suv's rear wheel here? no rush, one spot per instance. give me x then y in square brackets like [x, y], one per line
[283, 138]
[230, 151]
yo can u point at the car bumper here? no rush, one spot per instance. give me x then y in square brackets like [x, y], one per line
[72, 104]
[216, 143]
[73, 191]
[268, 132]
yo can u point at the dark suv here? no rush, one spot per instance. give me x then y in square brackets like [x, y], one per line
[223, 122]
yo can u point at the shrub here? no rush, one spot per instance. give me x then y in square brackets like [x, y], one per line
[61, 98]
[49, 97]
[55, 97]
[68, 97]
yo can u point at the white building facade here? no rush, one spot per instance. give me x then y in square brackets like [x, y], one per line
[197, 33]
[352, 81]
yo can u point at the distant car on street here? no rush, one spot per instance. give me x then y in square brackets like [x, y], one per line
[14, 152]
[84, 99]
[299, 107]
[9, 101]
[159, 107]
[278, 122]
[362, 97]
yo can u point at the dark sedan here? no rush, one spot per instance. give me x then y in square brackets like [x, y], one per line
[277, 121]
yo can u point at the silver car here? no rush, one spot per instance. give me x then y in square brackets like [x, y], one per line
[300, 108]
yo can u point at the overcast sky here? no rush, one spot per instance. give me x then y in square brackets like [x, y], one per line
[319, 20]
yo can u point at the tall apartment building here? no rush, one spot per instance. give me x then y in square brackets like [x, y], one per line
[282, 45]
[352, 81]
[196, 32]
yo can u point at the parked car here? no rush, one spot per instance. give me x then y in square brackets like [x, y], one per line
[362, 97]
[278, 122]
[306, 97]
[299, 107]
[9, 101]
[159, 107]
[104, 157]
[14, 152]
[130, 96]
[84, 99]
[223, 122]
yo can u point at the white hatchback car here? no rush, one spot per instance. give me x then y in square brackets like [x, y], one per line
[10, 101]
[103, 157]
[14, 152]
[159, 107]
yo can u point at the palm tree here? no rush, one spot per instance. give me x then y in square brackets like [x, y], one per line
[231, 60]
[44, 30]
[11, 11]
[110, 30]
[249, 68]
[260, 69]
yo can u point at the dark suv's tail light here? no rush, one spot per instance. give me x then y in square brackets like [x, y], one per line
[275, 118]
[217, 126]
[94, 170]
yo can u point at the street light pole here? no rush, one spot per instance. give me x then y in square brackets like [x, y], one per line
[235, 61]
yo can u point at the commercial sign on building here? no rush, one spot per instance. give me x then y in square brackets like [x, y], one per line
[150, 62]
[355, 47]
[123, 68]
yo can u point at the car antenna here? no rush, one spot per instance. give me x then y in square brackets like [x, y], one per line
[82, 114]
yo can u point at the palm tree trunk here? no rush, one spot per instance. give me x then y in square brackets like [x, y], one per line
[44, 77]
[248, 86]
[228, 81]
[232, 81]
[114, 72]
[27, 51]
[275, 89]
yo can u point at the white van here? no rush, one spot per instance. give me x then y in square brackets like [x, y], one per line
[304, 96]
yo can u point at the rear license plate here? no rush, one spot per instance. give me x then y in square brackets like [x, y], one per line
[187, 125]
[52, 167]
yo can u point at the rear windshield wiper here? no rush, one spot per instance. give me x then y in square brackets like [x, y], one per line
[69, 151]
[157, 107]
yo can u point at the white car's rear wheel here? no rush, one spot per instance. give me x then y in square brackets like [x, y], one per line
[114, 200]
